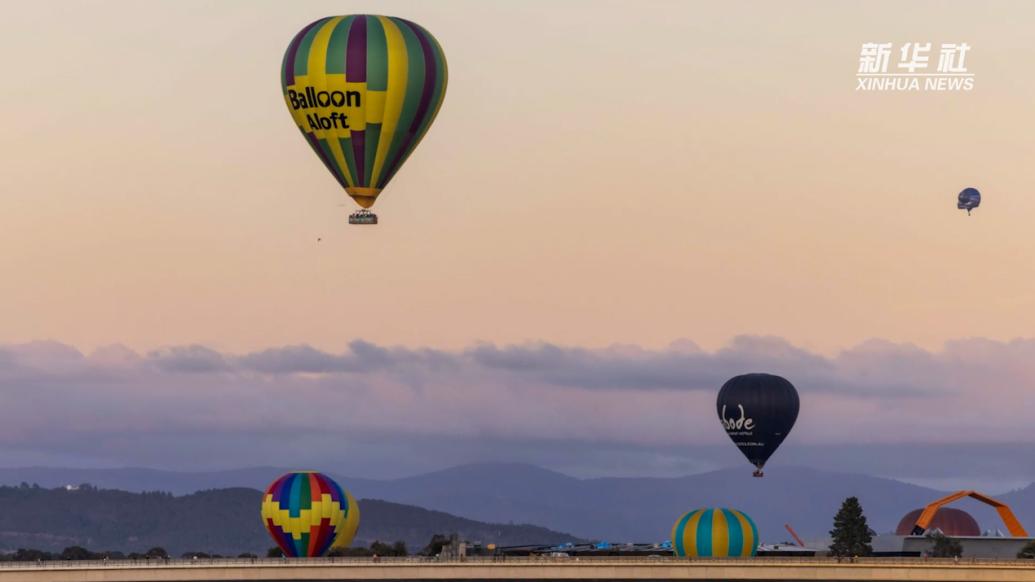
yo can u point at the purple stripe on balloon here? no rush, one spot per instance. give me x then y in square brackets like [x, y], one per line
[292, 53]
[359, 143]
[338, 494]
[277, 489]
[356, 72]
[282, 539]
[356, 53]
[430, 75]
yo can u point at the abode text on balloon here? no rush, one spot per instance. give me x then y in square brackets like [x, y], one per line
[743, 423]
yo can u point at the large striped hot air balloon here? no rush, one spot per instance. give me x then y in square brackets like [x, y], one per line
[716, 533]
[364, 90]
[307, 513]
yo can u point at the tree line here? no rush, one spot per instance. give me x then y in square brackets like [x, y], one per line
[74, 553]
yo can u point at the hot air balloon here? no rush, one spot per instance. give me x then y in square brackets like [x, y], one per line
[969, 199]
[306, 513]
[714, 533]
[364, 90]
[757, 411]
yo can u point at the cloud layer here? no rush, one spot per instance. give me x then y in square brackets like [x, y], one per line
[192, 405]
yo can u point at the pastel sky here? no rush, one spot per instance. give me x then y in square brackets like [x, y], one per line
[605, 178]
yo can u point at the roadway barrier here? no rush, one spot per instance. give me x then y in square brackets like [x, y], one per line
[606, 568]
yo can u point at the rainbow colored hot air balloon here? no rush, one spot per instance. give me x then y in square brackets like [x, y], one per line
[716, 533]
[363, 90]
[307, 513]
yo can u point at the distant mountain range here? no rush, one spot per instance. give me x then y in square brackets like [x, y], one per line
[615, 509]
[224, 521]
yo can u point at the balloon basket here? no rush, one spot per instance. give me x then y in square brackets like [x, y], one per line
[758, 473]
[363, 217]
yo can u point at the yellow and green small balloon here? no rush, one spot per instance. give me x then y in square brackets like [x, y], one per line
[307, 513]
[714, 533]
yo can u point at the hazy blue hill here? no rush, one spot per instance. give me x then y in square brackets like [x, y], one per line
[617, 509]
[1023, 503]
[643, 509]
[386, 521]
[623, 509]
[137, 479]
[494, 492]
[224, 521]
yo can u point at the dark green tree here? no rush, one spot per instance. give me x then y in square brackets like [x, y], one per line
[851, 534]
[944, 546]
[77, 553]
[1027, 552]
[383, 549]
[349, 552]
[31, 555]
[434, 546]
[274, 552]
[156, 552]
[198, 555]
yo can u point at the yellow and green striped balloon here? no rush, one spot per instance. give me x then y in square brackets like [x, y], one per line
[364, 90]
[716, 532]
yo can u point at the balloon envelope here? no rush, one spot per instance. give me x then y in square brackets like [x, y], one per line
[306, 513]
[364, 90]
[968, 199]
[715, 532]
[758, 412]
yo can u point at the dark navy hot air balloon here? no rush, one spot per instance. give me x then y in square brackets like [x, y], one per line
[757, 411]
[969, 199]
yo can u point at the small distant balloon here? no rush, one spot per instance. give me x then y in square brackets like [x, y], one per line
[758, 412]
[307, 513]
[969, 199]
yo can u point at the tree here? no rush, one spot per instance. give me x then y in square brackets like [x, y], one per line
[383, 549]
[77, 553]
[31, 555]
[156, 552]
[434, 547]
[851, 534]
[1027, 552]
[944, 546]
[274, 552]
[349, 553]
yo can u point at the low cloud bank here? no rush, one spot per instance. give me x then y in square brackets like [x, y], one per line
[118, 406]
